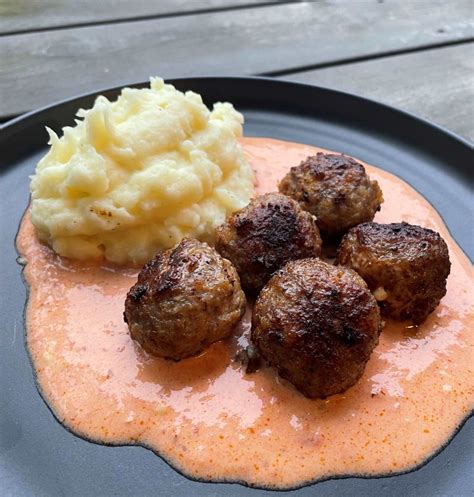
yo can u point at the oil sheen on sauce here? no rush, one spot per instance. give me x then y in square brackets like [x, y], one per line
[209, 419]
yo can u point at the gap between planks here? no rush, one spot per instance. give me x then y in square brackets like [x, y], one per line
[365, 58]
[151, 17]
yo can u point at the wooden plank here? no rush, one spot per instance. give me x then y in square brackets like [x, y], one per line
[435, 84]
[40, 68]
[25, 15]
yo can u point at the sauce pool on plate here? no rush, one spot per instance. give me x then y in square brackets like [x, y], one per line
[209, 419]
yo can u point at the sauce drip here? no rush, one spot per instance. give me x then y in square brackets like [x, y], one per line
[209, 419]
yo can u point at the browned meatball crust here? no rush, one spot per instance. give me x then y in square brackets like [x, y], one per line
[406, 266]
[336, 189]
[185, 299]
[262, 237]
[317, 324]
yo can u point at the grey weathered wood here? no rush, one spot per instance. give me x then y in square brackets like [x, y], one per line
[24, 15]
[40, 68]
[435, 84]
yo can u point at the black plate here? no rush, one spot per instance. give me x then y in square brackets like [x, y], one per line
[39, 457]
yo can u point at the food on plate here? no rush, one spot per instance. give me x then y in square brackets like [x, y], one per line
[139, 174]
[317, 324]
[206, 416]
[185, 299]
[263, 236]
[405, 266]
[336, 189]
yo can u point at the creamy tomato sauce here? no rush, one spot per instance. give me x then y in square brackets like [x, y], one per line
[209, 419]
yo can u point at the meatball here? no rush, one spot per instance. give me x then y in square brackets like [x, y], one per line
[336, 189]
[262, 237]
[406, 266]
[185, 299]
[317, 324]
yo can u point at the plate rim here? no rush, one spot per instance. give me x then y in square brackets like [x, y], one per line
[12, 123]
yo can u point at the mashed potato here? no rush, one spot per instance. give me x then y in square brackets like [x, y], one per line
[137, 175]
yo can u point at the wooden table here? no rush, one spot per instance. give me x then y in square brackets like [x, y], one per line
[417, 55]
